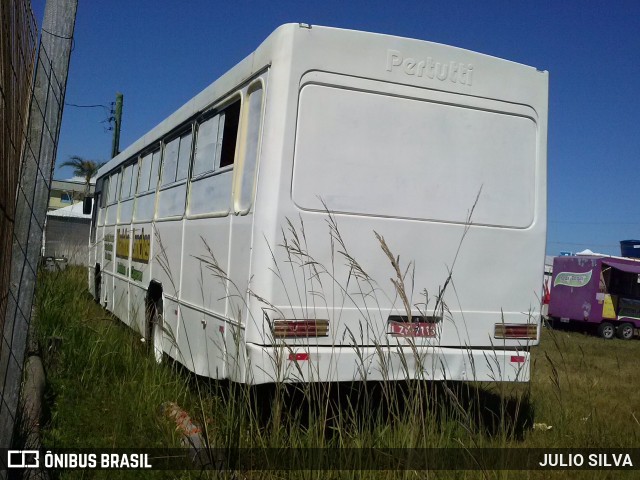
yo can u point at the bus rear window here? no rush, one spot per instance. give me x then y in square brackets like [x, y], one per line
[374, 154]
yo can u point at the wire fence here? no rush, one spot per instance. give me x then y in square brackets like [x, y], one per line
[18, 37]
[17, 61]
[32, 103]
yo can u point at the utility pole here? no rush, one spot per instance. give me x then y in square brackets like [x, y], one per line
[115, 145]
[43, 131]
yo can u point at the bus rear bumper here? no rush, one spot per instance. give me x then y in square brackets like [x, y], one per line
[268, 364]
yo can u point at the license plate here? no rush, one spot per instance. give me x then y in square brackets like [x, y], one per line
[405, 329]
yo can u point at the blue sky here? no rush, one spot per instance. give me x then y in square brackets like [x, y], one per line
[160, 53]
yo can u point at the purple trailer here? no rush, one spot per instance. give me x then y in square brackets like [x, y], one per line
[598, 292]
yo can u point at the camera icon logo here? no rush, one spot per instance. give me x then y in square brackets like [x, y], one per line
[23, 459]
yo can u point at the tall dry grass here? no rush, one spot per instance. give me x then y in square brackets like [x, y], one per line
[105, 390]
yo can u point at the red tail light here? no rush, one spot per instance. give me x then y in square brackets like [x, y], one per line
[300, 328]
[521, 331]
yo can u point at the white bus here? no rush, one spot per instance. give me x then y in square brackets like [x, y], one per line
[239, 235]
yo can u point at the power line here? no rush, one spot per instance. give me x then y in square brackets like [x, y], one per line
[87, 106]
[110, 109]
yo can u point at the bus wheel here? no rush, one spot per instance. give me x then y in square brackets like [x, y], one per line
[155, 332]
[97, 283]
[625, 331]
[606, 330]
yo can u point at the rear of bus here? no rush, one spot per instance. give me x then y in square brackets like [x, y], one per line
[400, 214]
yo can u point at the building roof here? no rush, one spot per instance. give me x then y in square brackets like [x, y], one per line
[71, 185]
[92, 181]
[72, 211]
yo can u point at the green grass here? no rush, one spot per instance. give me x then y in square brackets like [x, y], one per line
[104, 390]
[587, 388]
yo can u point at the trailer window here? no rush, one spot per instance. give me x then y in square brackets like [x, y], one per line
[624, 284]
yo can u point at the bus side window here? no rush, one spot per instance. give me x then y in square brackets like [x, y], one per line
[145, 173]
[173, 186]
[112, 198]
[177, 153]
[184, 156]
[213, 159]
[104, 192]
[114, 183]
[252, 143]
[155, 170]
[127, 191]
[230, 134]
[144, 207]
[127, 175]
[97, 213]
[170, 162]
[94, 217]
[216, 141]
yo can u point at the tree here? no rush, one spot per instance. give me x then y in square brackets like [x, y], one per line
[83, 168]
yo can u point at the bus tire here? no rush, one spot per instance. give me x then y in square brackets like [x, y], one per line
[155, 321]
[154, 329]
[606, 330]
[97, 283]
[625, 331]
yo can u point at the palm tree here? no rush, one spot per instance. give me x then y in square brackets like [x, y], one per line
[86, 169]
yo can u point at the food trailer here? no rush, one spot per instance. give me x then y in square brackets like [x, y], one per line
[598, 293]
